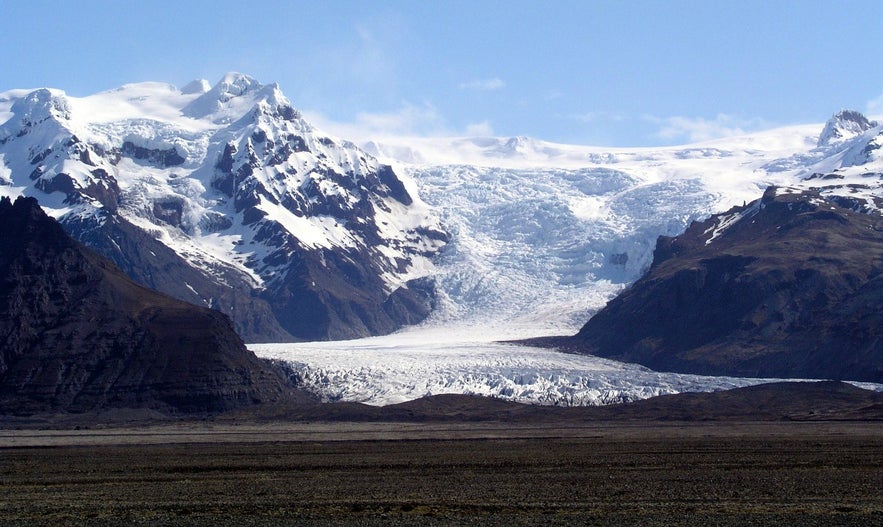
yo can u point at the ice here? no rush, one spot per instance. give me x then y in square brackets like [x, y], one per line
[433, 361]
[526, 252]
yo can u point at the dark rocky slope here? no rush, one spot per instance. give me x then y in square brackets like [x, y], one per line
[77, 335]
[789, 286]
[154, 265]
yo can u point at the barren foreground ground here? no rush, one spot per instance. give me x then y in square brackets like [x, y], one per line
[455, 474]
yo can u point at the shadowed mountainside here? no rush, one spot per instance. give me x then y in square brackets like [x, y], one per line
[77, 335]
[789, 286]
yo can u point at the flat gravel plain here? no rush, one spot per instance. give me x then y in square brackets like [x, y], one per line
[462, 474]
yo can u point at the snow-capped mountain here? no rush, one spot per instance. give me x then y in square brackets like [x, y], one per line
[225, 196]
[544, 235]
[844, 125]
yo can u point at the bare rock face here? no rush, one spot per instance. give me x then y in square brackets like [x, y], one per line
[789, 286]
[77, 335]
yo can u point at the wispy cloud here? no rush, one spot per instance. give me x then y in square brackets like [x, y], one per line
[361, 64]
[875, 106]
[483, 85]
[408, 120]
[697, 129]
[553, 95]
[591, 117]
[373, 54]
[482, 129]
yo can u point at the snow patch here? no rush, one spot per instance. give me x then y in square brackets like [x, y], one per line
[727, 221]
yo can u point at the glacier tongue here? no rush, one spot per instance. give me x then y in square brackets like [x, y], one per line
[414, 364]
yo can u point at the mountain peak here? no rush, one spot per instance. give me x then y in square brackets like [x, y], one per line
[38, 106]
[234, 96]
[229, 98]
[235, 84]
[845, 124]
[232, 188]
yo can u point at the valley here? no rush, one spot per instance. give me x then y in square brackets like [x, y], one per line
[404, 261]
[441, 264]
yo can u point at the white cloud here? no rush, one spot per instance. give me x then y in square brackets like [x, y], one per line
[698, 129]
[408, 120]
[589, 117]
[483, 85]
[875, 107]
[482, 129]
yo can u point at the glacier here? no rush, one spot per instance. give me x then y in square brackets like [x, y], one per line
[543, 235]
[464, 360]
[444, 360]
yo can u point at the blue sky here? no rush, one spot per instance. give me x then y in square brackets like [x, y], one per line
[611, 73]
